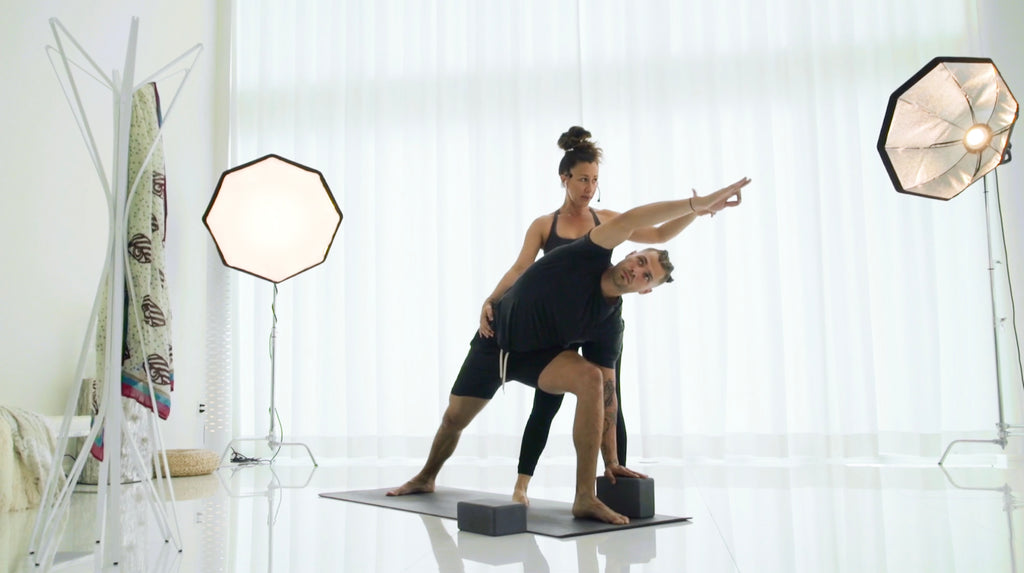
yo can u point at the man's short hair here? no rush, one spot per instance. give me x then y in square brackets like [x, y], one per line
[665, 264]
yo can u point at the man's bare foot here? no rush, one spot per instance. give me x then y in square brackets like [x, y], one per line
[519, 496]
[591, 508]
[415, 485]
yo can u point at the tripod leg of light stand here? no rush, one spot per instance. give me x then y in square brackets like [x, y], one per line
[224, 454]
[999, 442]
[278, 445]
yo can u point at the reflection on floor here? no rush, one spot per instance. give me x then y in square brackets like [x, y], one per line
[749, 515]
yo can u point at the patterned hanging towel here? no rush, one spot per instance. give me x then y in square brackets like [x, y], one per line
[147, 373]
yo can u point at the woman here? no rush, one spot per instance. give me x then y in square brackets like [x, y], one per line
[578, 171]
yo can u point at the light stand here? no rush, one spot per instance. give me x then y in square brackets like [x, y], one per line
[946, 127]
[272, 218]
[273, 438]
[1004, 430]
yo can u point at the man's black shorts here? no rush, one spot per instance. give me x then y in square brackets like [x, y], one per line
[480, 376]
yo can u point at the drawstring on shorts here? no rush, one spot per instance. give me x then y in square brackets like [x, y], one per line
[502, 367]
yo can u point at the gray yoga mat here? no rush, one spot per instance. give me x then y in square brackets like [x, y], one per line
[543, 517]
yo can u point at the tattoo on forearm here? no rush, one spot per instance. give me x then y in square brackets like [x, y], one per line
[609, 393]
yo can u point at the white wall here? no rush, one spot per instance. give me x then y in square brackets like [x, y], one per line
[53, 220]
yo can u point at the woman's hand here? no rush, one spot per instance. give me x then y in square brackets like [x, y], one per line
[613, 470]
[730, 196]
[486, 317]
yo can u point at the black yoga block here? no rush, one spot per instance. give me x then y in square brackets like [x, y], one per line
[632, 497]
[491, 517]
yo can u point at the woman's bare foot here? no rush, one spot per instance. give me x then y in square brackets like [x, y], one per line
[519, 496]
[519, 491]
[415, 485]
[589, 507]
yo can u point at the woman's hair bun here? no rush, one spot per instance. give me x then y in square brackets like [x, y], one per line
[573, 138]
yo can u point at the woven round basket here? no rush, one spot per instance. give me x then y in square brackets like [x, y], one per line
[183, 463]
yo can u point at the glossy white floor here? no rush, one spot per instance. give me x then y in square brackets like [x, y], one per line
[748, 515]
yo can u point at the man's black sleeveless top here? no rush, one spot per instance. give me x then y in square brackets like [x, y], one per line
[557, 302]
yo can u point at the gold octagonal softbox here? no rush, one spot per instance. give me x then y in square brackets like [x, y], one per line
[946, 127]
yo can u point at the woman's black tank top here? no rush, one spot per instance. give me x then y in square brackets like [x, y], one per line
[554, 241]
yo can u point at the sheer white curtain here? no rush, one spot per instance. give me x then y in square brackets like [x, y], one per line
[828, 315]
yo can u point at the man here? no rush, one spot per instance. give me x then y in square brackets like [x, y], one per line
[570, 296]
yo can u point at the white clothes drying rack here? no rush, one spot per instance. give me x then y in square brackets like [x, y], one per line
[48, 529]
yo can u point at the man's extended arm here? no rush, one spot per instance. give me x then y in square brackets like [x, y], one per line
[615, 231]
